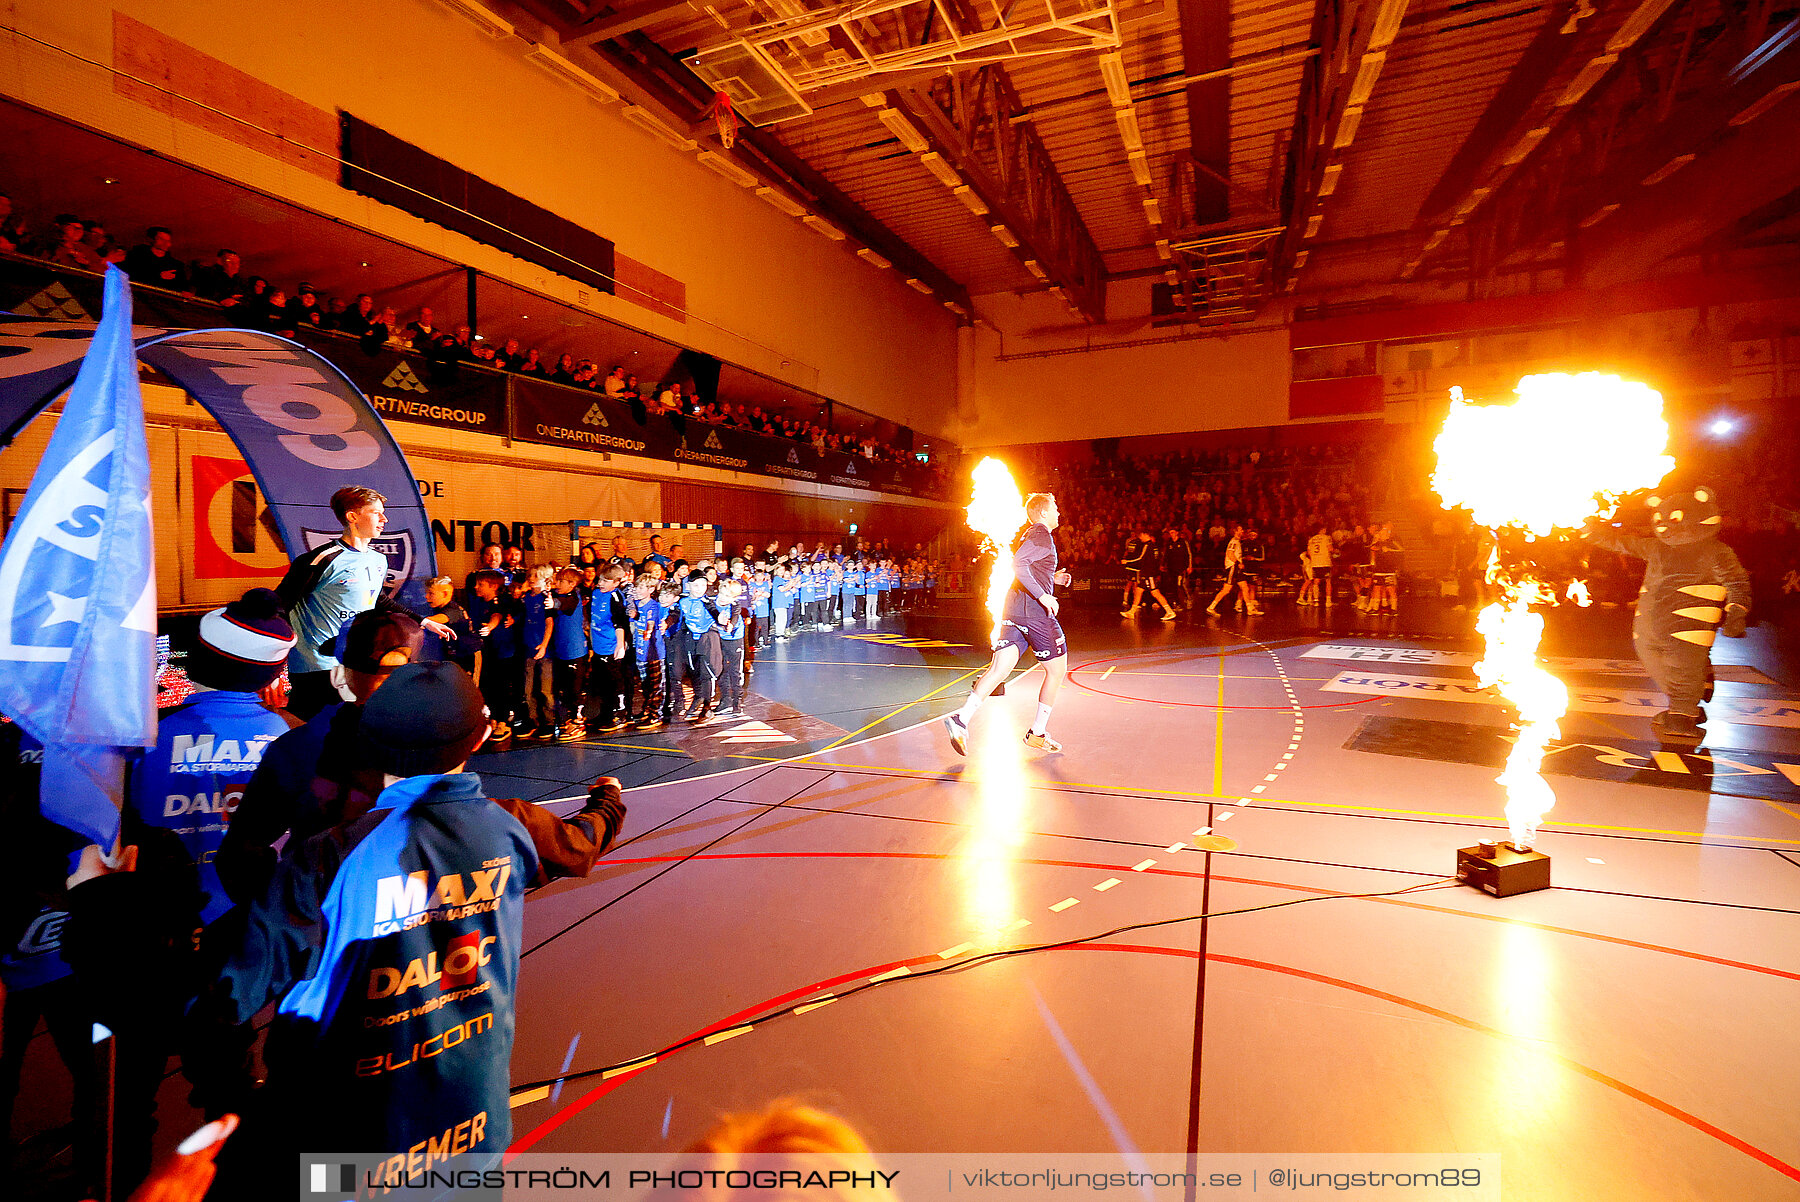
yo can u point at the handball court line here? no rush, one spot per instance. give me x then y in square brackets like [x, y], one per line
[897, 969]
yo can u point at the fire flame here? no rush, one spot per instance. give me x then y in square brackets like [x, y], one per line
[1563, 453]
[996, 513]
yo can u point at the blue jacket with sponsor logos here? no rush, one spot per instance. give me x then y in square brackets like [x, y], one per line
[393, 945]
[206, 752]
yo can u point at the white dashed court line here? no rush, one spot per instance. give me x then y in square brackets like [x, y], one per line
[902, 971]
[1064, 904]
[951, 953]
[1106, 884]
[1174, 847]
[824, 1001]
[1141, 865]
[1259, 788]
[1017, 924]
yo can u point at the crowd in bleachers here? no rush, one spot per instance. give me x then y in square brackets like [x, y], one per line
[1282, 494]
[257, 303]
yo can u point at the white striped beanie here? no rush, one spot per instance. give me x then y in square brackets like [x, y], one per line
[242, 645]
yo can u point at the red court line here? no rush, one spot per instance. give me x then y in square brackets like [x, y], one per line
[1620, 941]
[537, 1134]
[1202, 705]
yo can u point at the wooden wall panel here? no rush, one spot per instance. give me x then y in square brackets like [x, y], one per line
[755, 516]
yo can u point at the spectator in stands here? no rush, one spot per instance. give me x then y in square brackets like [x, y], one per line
[564, 371]
[12, 227]
[275, 316]
[510, 356]
[67, 248]
[420, 331]
[151, 263]
[532, 364]
[357, 322]
[223, 282]
[252, 311]
[101, 243]
[304, 310]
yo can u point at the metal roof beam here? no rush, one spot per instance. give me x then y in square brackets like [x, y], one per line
[1206, 50]
[1493, 132]
[1354, 39]
[663, 77]
[619, 20]
[1725, 163]
[969, 122]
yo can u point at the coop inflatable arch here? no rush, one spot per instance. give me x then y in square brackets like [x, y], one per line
[302, 426]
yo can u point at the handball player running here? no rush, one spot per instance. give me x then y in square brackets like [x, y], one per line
[1028, 621]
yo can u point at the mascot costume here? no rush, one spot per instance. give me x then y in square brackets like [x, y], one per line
[1693, 587]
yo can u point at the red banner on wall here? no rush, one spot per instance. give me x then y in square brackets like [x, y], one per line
[1336, 397]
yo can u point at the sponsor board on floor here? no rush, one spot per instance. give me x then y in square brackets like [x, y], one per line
[1427, 656]
[1640, 703]
[1708, 769]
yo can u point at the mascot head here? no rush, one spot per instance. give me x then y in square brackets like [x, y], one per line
[1686, 517]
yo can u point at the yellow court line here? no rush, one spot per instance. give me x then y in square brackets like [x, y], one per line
[891, 713]
[1487, 819]
[845, 663]
[1219, 730]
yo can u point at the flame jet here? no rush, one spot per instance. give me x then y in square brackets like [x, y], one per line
[1561, 454]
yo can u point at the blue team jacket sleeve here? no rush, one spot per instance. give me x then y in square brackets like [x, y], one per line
[1034, 561]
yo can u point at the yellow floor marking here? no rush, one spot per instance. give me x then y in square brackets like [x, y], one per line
[528, 1097]
[824, 1001]
[633, 1067]
[892, 713]
[727, 1033]
[902, 971]
[1064, 904]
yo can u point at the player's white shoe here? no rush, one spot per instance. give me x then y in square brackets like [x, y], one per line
[959, 733]
[1041, 742]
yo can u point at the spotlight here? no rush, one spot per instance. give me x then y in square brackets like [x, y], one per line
[1722, 427]
[1502, 869]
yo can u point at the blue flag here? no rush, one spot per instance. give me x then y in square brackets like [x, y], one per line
[78, 588]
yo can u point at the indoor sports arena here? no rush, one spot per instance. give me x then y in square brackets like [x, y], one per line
[900, 599]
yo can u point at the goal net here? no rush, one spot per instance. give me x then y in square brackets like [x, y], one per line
[564, 540]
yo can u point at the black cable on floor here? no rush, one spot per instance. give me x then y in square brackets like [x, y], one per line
[656, 876]
[992, 957]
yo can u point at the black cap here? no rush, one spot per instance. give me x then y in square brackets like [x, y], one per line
[427, 718]
[377, 632]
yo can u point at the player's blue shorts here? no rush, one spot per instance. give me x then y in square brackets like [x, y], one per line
[1039, 633]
